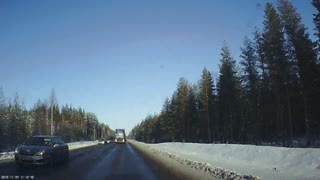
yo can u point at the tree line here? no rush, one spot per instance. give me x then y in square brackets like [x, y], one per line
[72, 124]
[271, 95]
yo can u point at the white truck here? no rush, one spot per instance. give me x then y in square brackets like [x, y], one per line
[120, 136]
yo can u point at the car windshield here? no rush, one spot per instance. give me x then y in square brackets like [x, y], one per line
[38, 141]
[111, 138]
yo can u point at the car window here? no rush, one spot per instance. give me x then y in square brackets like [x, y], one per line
[39, 141]
[60, 141]
[56, 141]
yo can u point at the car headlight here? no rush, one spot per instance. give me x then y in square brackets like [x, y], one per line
[40, 153]
[16, 151]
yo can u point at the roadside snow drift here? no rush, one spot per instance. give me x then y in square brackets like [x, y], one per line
[263, 161]
[189, 168]
[81, 144]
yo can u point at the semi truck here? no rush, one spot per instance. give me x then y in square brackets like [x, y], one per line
[120, 136]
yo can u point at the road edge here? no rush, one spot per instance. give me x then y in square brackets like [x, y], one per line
[193, 168]
[168, 165]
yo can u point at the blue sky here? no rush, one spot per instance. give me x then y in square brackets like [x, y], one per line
[119, 59]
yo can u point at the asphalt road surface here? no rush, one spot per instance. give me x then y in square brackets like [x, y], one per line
[110, 161]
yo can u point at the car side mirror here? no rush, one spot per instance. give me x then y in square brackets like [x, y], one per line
[56, 145]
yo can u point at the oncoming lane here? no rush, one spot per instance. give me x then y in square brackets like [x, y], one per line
[110, 161]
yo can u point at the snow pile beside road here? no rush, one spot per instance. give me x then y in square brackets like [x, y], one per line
[216, 172]
[72, 146]
[263, 161]
[81, 144]
[6, 155]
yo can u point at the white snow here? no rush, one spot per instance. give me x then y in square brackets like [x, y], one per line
[265, 162]
[81, 144]
[6, 155]
[72, 146]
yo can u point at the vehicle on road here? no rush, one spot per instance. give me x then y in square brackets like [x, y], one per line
[111, 139]
[102, 141]
[120, 136]
[42, 150]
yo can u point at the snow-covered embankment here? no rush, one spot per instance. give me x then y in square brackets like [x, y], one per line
[265, 162]
[188, 166]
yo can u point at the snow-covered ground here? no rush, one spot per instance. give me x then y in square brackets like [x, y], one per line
[81, 144]
[265, 162]
[72, 146]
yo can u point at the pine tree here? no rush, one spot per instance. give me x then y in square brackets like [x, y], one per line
[40, 115]
[92, 125]
[304, 57]
[316, 21]
[173, 116]
[83, 121]
[57, 118]
[53, 102]
[228, 97]
[250, 83]
[266, 100]
[166, 121]
[278, 67]
[182, 109]
[17, 124]
[206, 102]
[193, 127]
[3, 119]
[2, 113]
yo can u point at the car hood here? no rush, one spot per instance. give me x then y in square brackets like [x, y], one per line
[32, 149]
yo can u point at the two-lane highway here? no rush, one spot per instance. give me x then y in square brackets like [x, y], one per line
[111, 161]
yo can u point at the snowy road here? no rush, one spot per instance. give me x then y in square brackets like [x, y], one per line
[111, 161]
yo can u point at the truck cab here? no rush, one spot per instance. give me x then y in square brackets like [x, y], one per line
[120, 136]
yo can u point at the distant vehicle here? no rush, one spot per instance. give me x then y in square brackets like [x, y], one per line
[111, 139]
[120, 136]
[102, 141]
[41, 150]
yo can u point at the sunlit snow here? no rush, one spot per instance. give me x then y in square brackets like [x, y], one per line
[264, 161]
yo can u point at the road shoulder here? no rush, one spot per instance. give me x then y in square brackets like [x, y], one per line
[169, 166]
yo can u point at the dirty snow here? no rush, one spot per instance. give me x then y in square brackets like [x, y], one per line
[188, 167]
[72, 146]
[265, 162]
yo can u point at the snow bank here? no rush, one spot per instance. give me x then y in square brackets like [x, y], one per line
[81, 144]
[204, 167]
[6, 155]
[263, 161]
[72, 146]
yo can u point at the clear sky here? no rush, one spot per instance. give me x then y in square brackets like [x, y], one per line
[119, 58]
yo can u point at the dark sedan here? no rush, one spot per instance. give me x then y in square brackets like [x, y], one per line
[42, 150]
[111, 139]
